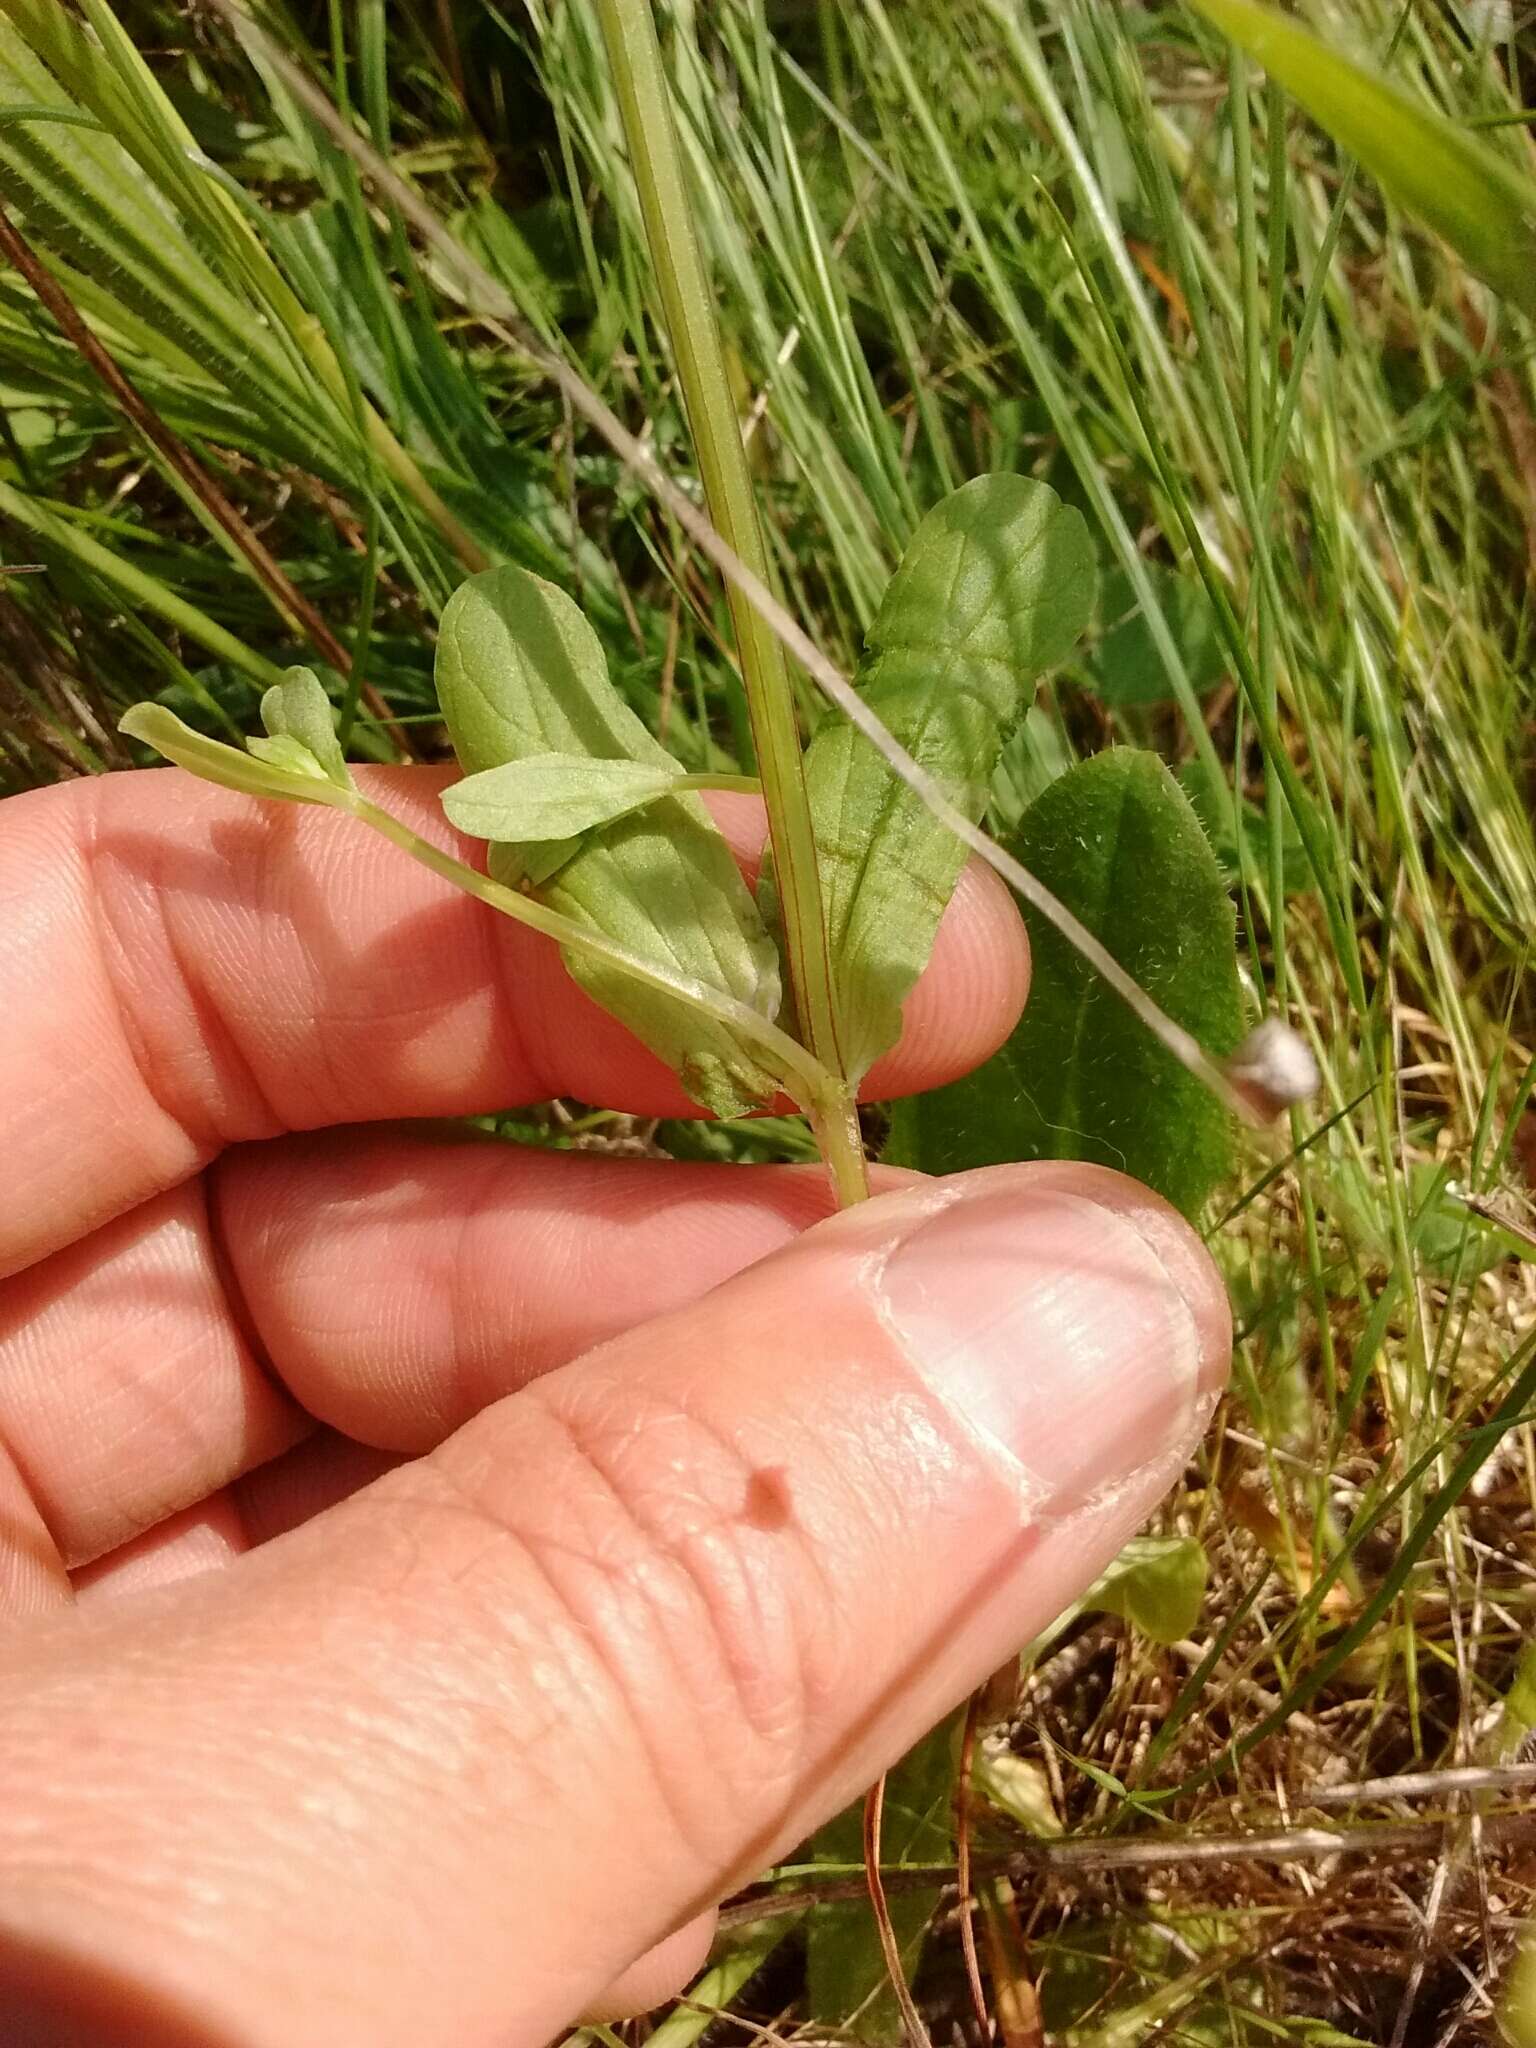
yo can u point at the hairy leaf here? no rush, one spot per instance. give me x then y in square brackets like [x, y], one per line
[554, 796]
[520, 673]
[297, 708]
[1466, 191]
[994, 588]
[1080, 1078]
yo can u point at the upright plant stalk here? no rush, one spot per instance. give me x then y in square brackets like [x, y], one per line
[688, 304]
[634, 54]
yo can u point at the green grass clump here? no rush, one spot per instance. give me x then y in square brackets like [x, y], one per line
[1083, 242]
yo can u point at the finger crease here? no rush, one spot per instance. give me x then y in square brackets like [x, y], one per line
[225, 1268]
[197, 1120]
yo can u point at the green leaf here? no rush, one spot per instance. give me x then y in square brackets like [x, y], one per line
[1445, 1234]
[995, 587]
[1128, 669]
[281, 750]
[1037, 753]
[1211, 795]
[1080, 1078]
[1157, 1584]
[1518, 1718]
[554, 796]
[845, 1963]
[1464, 190]
[298, 709]
[1019, 1787]
[283, 767]
[520, 674]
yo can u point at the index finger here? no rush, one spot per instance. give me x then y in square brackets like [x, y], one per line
[182, 968]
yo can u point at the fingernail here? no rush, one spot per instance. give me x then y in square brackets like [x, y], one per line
[1089, 1348]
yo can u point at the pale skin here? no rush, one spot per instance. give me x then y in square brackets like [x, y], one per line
[434, 1573]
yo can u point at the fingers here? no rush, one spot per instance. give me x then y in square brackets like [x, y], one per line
[128, 1391]
[314, 1475]
[181, 967]
[200, 1539]
[661, 1973]
[671, 1605]
[384, 1282]
[399, 1287]
[32, 1575]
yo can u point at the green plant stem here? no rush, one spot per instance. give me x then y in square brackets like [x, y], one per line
[688, 304]
[835, 1126]
[819, 1092]
[737, 785]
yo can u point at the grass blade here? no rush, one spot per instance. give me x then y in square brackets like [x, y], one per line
[1430, 166]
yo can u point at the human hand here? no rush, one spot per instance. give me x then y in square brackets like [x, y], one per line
[437, 1572]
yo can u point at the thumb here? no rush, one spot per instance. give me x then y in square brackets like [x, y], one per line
[436, 1767]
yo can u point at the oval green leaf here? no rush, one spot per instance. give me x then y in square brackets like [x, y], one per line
[554, 796]
[1081, 1078]
[520, 673]
[298, 709]
[996, 586]
[1461, 188]
[1127, 667]
[1157, 1584]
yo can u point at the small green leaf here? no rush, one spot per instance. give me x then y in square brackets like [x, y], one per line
[297, 708]
[1465, 191]
[1036, 754]
[1157, 1584]
[554, 796]
[1080, 1078]
[845, 1964]
[289, 771]
[282, 750]
[1445, 1234]
[1097, 1775]
[1128, 669]
[1021, 1788]
[521, 674]
[995, 587]
[1518, 1718]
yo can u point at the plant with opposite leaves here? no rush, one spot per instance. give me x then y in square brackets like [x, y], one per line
[597, 837]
